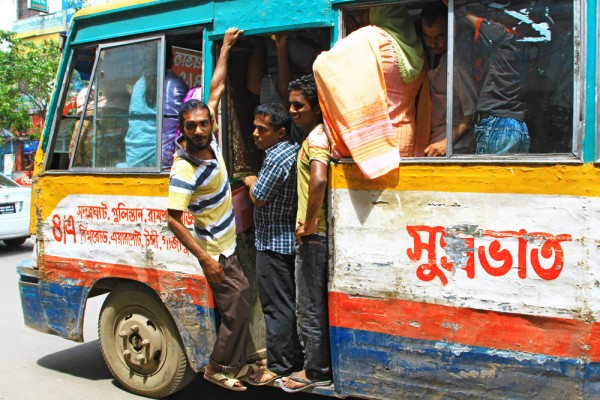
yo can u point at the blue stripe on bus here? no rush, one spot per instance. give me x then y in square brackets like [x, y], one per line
[370, 364]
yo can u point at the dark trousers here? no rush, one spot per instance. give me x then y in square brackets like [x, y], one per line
[311, 306]
[277, 290]
[232, 299]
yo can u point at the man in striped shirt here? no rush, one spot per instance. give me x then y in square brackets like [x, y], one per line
[200, 185]
[273, 193]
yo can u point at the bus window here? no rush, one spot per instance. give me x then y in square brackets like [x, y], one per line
[521, 57]
[527, 82]
[120, 126]
[79, 76]
[117, 126]
[374, 103]
[354, 18]
[126, 98]
[259, 72]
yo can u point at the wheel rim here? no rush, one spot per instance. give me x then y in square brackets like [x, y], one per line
[140, 340]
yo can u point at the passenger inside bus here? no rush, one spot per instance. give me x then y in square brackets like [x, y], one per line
[174, 92]
[255, 67]
[550, 79]
[501, 104]
[279, 58]
[536, 43]
[434, 31]
[83, 156]
[140, 140]
[373, 117]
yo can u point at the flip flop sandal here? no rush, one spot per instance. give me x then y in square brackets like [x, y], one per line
[265, 370]
[307, 384]
[225, 381]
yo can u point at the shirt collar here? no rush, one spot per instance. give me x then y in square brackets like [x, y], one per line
[317, 128]
[283, 143]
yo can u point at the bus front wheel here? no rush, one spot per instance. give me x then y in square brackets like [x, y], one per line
[141, 344]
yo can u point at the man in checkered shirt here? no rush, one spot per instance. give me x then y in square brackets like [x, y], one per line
[274, 195]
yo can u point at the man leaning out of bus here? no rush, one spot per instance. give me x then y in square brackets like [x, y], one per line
[198, 156]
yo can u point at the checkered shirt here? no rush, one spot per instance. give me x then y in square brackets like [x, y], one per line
[276, 186]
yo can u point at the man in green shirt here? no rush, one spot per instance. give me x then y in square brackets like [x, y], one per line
[311, 235]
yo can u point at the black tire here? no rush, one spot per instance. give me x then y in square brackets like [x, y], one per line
[141, 344]
[15, 242]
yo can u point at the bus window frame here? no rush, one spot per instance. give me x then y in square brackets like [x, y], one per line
[597, 91]
[161, 38]
[577, 129]
[56, 117]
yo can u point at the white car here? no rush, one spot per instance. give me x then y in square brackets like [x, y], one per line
[14, 212]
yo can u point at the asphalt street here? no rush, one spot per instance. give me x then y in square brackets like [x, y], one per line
[38, 366]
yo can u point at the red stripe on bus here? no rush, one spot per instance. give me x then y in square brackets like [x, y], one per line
[86, 273]
[558, 337]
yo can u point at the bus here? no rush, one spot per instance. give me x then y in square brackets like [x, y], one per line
[460, 276]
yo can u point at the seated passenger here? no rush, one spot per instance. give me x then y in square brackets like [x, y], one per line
[368, 84]
[174, 92]
[140, 141]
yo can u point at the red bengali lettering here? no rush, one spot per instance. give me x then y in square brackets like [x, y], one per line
[63, 228]
[123, 213]
[156, 215]
[429, 270]
[546, 260]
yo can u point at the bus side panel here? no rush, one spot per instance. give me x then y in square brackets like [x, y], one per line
[197, 334]
[94, 228]
[85, 238]
[156, 18]
[489, 293]
[54, 308]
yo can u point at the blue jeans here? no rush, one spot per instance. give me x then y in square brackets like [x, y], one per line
[499, 135]
[311, 306]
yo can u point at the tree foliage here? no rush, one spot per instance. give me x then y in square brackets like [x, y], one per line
[28, 73]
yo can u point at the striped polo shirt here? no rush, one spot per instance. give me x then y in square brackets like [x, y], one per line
[202, 188]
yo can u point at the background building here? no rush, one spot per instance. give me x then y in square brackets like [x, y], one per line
[35, 21]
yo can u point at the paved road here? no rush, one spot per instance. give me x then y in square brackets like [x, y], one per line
[36, 366]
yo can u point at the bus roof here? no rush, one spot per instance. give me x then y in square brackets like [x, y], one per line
[111, 6]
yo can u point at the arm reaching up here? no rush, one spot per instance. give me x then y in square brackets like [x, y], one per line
[217, 84]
